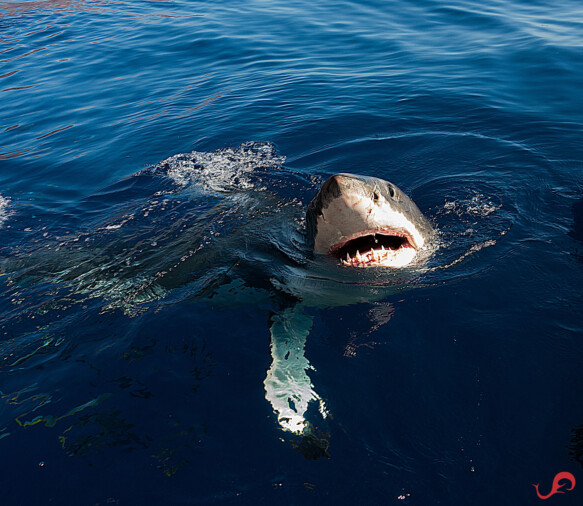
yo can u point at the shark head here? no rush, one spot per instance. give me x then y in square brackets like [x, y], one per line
[366, 222]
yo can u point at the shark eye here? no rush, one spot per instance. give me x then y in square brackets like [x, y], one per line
[391, 191]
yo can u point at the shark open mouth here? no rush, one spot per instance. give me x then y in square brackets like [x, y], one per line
[373, 249]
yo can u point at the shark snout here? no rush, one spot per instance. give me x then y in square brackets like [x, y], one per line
[346, 181]
[345, 186]
[333, 187]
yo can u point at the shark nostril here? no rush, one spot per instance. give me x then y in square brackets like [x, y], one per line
[376, 196]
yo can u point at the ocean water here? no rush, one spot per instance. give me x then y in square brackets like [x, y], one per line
[156, 160]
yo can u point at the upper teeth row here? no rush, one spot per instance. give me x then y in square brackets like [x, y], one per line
[376, 255]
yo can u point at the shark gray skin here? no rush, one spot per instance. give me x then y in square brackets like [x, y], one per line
[360, 222]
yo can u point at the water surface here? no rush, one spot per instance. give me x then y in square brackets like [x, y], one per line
[130, 374]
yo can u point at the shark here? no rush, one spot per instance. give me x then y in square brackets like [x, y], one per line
[211, 225]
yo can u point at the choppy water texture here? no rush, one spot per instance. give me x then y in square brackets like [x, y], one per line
[156, 159]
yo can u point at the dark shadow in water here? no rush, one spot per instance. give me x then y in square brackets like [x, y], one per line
[576, 446]
[577, 231]
[313, 444]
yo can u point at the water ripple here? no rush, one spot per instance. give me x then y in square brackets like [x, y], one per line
[473, 107]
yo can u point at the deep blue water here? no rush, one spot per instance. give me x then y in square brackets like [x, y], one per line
[136, 296]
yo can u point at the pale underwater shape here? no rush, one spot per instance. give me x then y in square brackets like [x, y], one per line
[288, 387]
[3, 209]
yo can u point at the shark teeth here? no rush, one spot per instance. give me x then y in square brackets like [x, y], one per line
[371, 258]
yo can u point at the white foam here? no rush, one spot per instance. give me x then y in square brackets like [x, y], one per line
[477, 205]
[4, 213]
[473, 249]
[223, 169]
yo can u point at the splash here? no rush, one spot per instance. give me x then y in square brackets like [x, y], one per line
[223, 170]
[470, 221]
[4, 202]
[477, 205]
